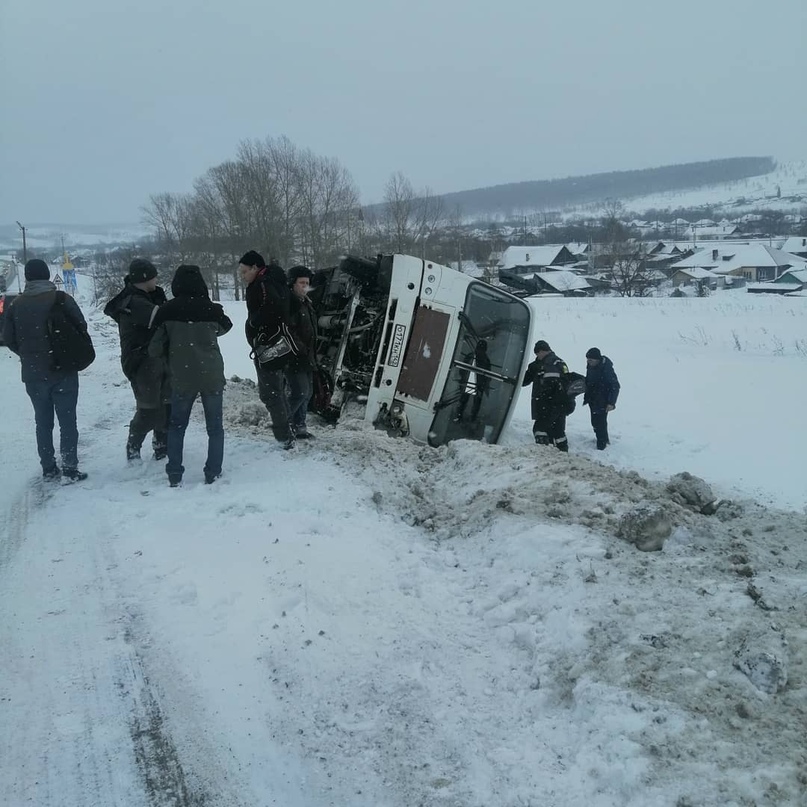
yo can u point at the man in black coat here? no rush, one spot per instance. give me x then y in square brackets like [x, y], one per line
[268, 300]
[51, 391]
[602, 390]
[549, 398]
[300, 368]
[134, 308]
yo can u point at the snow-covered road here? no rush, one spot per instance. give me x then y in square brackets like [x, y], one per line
[371, 622]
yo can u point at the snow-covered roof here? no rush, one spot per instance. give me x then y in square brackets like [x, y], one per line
[798, 274]
[713, 231]
[729, 257]
[795, 243]
[578, 247]
[562, 280]
[531, 256]
[697, 273]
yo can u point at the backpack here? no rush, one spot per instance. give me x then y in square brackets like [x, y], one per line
[71, 347]
[574, 384]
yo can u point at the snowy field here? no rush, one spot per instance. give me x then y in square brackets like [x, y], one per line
[375, 623]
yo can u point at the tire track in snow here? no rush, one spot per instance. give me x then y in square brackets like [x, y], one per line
[80, 721]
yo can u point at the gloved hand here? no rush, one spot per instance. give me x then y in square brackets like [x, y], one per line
[610, 408]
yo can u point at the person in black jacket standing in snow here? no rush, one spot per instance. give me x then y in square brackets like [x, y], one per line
[549, 398]
[134, 308]
[602, 390]
[268, 299]
[300, 369]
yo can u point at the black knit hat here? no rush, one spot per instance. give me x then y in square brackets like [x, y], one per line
[253, 259]
[541, 345]
[37, 269]
[141, 270]
[296, 272]
[593, 353]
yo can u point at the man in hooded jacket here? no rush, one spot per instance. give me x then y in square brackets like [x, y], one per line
[268, 311]
[602, 390]
[186, 332]
[133, 309]
[51, 391]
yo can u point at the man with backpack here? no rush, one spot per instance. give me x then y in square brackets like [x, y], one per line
[602, 390]
[52, 390]
[133, 309]
[550, 401]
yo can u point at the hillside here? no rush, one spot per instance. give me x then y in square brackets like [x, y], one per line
[555, 194]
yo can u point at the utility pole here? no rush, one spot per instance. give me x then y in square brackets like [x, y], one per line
[24, 245]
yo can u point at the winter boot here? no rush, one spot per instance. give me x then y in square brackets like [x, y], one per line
[51, 473]
[73, 475]
[160, 445]
[133, 445]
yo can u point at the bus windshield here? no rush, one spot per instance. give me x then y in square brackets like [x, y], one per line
[484, 378]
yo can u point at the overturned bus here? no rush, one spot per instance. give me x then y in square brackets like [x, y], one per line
[428, 352]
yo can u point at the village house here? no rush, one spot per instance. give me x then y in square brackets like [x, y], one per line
[696, 276]
[518, 264]
[795, 245]
[711, 232]
[754, 262]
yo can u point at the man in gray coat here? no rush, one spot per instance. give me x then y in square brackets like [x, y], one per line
[51, 391]
[133, 309]
[186, 333]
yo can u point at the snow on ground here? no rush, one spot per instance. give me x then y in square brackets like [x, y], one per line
[372, 622]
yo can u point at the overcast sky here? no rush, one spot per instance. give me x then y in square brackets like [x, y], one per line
[104, 103]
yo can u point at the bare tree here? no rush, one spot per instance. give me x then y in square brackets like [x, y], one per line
[408, 219]
[290, 204]
[170, 215]
[398, 212]
[429, 217]
[629, 273]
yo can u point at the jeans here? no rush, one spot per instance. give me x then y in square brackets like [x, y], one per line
[181, 406]
[599, 422]
[301, 388]
[60, 397]
[272, 392]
